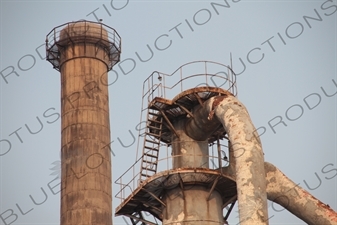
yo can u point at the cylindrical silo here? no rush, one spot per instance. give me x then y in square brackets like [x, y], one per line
[84, 52]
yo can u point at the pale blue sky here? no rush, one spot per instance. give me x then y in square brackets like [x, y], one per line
[300, 65]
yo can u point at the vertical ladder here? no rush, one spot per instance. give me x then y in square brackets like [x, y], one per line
[151, 145]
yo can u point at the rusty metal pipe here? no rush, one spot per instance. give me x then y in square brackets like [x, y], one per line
[201, 127]
[283, 191]
[247, 151]
[248, 155]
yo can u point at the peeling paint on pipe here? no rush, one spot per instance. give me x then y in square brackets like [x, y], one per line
[282, 190]
[256, 180]
[247, 151]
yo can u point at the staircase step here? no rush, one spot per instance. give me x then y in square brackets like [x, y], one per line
[154, 128]
[151, 141]
[151, 148]
[154, 169]
[149, 162]
[145, 175]
[147, 169]
[153, 113]
[152, 134]
[155, 121]
[150, 155]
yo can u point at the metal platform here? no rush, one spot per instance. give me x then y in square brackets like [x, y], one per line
[147, 197]
[83, 33]
[145, 188]
[181, 106]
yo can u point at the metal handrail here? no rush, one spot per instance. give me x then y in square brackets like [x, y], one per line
[232, 80]
[149, 85]
[162, 89]
[152, 89]
[110, 40]
[127, 188]
[61, 27]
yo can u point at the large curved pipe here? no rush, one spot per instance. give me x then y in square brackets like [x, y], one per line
[283, 191]
[256, 179]
[247, 151]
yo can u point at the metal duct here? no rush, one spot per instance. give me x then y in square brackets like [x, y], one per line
[256, 180]
[247, 151]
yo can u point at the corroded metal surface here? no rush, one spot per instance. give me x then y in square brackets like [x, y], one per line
[282, 190]
[86, 34]
[192, 119]
[160, 183]
[248, 155]
[188, 99]
[247, 152]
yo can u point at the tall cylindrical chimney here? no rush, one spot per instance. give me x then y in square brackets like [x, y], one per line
[84, 52]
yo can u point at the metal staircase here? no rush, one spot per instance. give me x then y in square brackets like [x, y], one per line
[141, 197]
[151, 145]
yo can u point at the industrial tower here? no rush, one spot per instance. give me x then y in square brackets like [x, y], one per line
[190, 128]
[84, 52]
[193, 121]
